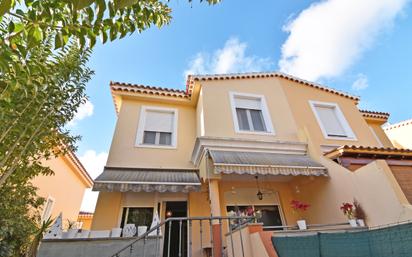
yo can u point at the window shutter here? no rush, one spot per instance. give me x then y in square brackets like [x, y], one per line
[159, 121]
[248, 103]
[330, 121]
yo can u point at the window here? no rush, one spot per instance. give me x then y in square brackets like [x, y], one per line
[331, 121]
[269, 215]
[48, 208]
[157, 127]
[250, 113]
[138, 216]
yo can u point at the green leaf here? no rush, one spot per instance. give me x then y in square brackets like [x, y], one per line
[5, 6]
[112, 12]
[101, 8]
[58, 41]
[37, 33]
[119, 4]
[18, 27]
[11, 27]
[103, 36]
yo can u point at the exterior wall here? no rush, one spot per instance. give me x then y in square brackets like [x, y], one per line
[386, 205]
[299, 96]
[106, 214]
[124, 153]
[218, 118]
[67, 201]
[403, 175]
[401, 134]
[380, 133]
[283, 190]
[86, 221]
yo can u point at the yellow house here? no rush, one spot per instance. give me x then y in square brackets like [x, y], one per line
[253, 141]
[64, 190]
[400, 134]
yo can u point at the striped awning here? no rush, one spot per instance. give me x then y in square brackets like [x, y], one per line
[115, 179]
[264, 163]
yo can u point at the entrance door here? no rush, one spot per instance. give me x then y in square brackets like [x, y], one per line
[175, 209]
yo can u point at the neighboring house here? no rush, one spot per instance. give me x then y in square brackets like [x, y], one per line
[210, 149]
[85, 220]
[400, 134]
[64, 190]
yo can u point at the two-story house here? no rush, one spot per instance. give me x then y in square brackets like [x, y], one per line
[255, 140]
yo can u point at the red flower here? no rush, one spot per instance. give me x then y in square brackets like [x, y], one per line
[299, 206]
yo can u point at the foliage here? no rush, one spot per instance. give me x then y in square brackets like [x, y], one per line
[347, 209]
[359, 211]
[299, 207]
[71, 224]
[38, 236]
[18, 217]
[32, 130]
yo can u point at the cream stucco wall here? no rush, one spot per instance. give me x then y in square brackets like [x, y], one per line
[218, 118]
[380, 133]
[65, 187]
[401, 134]
[125, 153]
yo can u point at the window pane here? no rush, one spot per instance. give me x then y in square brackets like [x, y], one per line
[140, 216]
[149, 137]
[165, 138]
[257, 120]
[242, 119]
[330, 121]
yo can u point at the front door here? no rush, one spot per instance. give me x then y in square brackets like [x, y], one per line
[178, 237]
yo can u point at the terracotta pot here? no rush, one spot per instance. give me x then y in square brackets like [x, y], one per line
[302, 224]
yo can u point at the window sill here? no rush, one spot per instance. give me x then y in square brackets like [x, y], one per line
[262, 133]
[341, 138]
[156, 146]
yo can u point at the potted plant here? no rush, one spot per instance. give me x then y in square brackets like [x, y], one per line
[348, 211]
[71, 228]
[300, 207]
[360, 214]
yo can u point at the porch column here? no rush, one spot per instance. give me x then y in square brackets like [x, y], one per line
[215, 211]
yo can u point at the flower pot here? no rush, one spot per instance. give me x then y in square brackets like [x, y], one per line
[302, 224]
[360, 222]
[353, 223]
[141, 230]
[71, 233]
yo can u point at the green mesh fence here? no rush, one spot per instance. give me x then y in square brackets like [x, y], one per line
[394, 241]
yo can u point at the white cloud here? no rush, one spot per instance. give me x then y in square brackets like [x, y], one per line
[360, 83]
[85, 110]
[231, 58]
[327, 37]
[94, 164]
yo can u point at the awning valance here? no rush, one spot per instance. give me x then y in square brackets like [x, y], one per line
[265, 163]
[147, 180]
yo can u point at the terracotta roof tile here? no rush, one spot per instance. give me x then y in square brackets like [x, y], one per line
[398, 125]
[369, 150]
[374, 114]
[253, 75]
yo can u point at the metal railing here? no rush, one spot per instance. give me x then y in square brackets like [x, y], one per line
[162, 244]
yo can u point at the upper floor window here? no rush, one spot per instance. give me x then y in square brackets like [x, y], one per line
[250, 113]
[157, 127]
[331, 121]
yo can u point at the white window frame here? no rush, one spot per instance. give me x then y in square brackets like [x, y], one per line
[43, 215]
[141, 126]
[265, 113]
[350, 136]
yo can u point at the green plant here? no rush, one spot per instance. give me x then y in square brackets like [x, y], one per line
[38, 236]
[359, 211]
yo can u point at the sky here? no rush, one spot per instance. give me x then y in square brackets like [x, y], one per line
[360, 47]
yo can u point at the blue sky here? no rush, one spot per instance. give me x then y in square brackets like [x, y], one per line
[361, 47]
